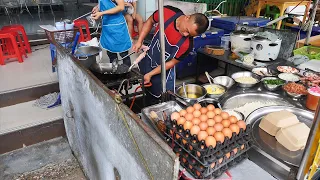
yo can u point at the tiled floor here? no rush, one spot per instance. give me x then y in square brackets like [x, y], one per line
[24, 115]
[35, 70]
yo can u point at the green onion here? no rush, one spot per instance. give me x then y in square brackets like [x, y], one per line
[273, 81]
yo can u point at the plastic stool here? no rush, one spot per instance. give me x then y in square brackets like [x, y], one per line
[134, 33]
[5, 37]
[83, 36]
[9, 46]
[22, 31]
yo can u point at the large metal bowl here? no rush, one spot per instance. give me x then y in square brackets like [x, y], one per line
[87, 55]
[224, 81]
[215, 96]
[194, 93]
[245, 74]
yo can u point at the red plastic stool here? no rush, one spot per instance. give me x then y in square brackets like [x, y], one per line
[80, 23]
[5, 37]
[134, 33]
[9, 46]
[22, 31]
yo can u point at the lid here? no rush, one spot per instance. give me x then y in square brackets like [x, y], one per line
[260, 38]
[241, 32]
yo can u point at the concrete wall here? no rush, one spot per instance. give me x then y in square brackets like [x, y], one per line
[97, 134]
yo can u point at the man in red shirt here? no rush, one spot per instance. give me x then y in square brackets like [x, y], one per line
[179, 30]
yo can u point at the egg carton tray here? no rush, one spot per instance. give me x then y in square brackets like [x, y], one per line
[198, 148]
[215, 168]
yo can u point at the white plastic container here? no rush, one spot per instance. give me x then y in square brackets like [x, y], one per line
[64, 26]
[225, 41]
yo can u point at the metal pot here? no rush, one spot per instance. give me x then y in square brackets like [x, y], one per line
[87, 55]
[215, 96]
[240, 40]
[264, 49]
[194, 93]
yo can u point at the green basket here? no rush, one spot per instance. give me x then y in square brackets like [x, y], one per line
[313, 53]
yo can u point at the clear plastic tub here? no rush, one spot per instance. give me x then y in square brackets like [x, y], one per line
[225, 41]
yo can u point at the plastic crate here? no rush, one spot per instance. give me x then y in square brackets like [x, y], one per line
[314, 52]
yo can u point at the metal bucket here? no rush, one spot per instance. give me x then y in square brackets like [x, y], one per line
[87, 55]
[194, 93]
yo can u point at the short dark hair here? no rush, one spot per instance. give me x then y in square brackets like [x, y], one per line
[201, 21]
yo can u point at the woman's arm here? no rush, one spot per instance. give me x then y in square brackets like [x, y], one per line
[134, 4]
[117, 9]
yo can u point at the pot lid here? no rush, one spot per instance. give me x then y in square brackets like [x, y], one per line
[241, 32]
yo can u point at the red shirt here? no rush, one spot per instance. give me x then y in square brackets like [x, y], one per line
[173, 35]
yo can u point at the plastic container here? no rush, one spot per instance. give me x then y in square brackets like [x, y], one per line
[64, 26]
[312, 99]
[225, 41]
[311, 53]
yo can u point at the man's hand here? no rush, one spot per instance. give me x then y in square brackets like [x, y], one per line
[95, 10]
[134, 15]
[147, 78]
[136, 47]
[97, 15]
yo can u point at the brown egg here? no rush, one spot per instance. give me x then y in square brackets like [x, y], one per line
[234, 128]
[196, 121]
[195, 130]
[217, 118]
[196, 113]
[219, 137]
[181, 120]
[210, 114]
[190, 109]
[224, 115]
[233, 119]
[242, 125]
[187, 125]
[225, 123]
[203, 110]
[202, 135]
[211, 131]
[242, 147]
[213, 165]
[235, 150]
[189, 117]
[210, 122]
[220, 160]
[197, 106]
[228, 155]
[203, 117]
[211, 141]
[210, 107]
[227, 132]
[203, 126]
[217, 111]
[218, 127]
[183, 113]
[175, 116]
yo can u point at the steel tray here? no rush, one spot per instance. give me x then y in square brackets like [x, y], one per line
[267, 143]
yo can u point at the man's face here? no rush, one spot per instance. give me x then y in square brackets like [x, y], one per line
[188, 27]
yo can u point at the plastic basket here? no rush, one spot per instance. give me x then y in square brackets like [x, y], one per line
[310, 51]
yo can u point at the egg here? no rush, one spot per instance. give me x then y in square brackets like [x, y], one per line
[242, 125]
[210, 107]
[187, 125]
[217, 111]
[203, 110]
[181, 121]
[210, 114]
[203, 126]
[213, 165]
[175, 116]
[228, 155]
[227, 132]
[196, 113]
[218, 127]
[202, 135]
[219, 137]
[210, 122]
[233, 119]
[196, 121]
[226, 123]
[195, 130]
[242, 147]
[189, 117]
[211, 141]
[211, 131]
[183, 113]
[197, 106]
[220, 160]
[190, 109]
[234, 128]
[235, 150]
[224, 115]
[217, 118]
[203, 117]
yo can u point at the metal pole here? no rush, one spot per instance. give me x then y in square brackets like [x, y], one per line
[313, 15]
[311, 145]
[162, 45]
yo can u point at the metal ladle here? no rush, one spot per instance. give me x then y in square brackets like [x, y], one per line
[184, 89]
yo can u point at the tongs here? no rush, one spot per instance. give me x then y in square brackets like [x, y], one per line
[209, 79]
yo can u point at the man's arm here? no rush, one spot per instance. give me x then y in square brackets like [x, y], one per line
[145, 31]
[170, 64]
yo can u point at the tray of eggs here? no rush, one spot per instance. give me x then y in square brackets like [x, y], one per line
[208, 135]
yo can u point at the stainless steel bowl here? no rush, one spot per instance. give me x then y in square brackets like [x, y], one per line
[87, 55]
[224, 81]
[270, 87]
[245, 74]
[293, 95]
[194, 93]
[215, 96]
